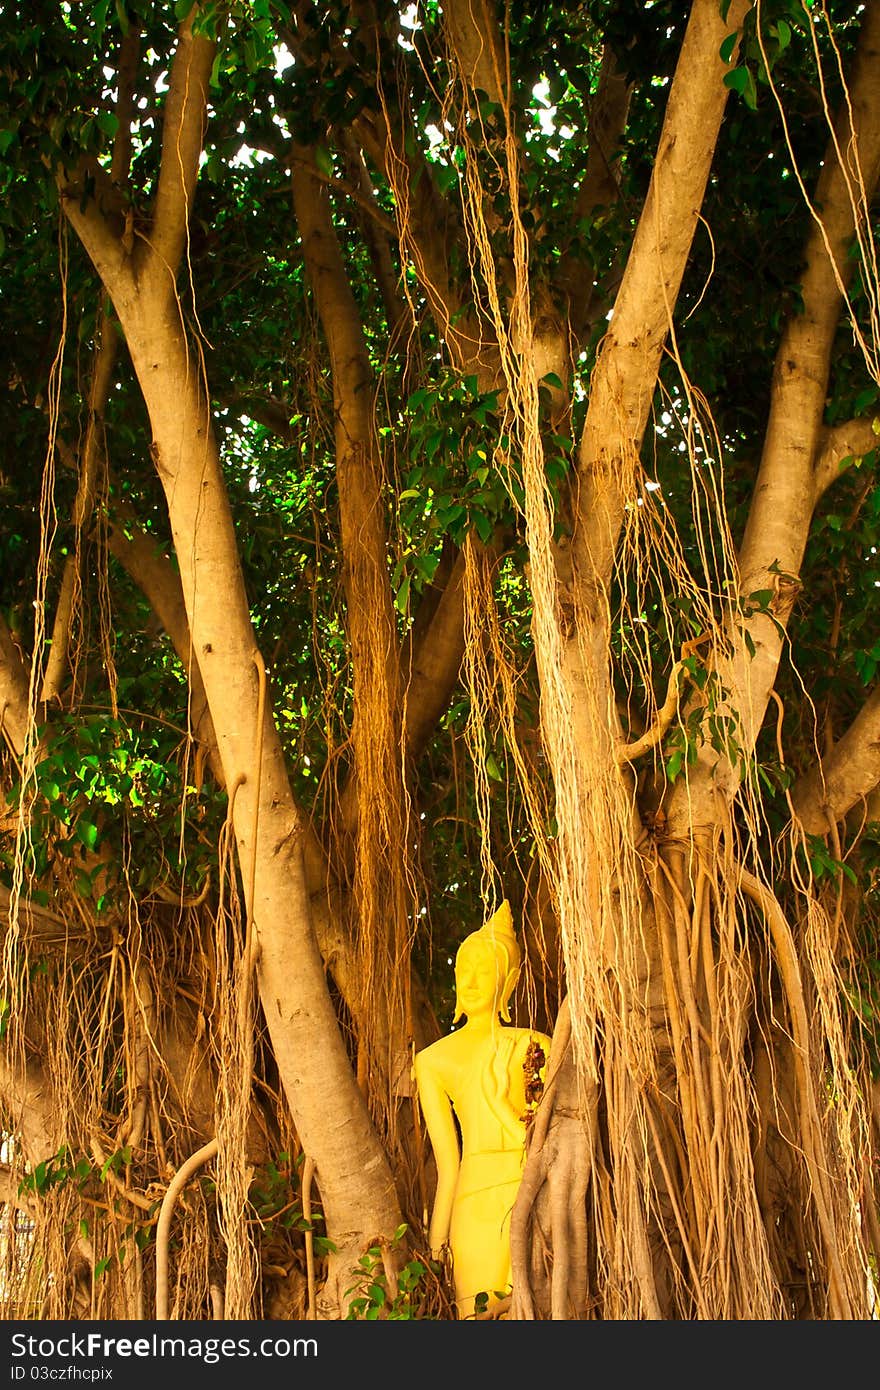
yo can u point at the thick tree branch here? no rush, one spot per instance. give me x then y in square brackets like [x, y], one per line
[126, 77]
[782, 504]
[107, 341]
[473, 35]
[849, 774]
[150, 567]
[98, 211]
[358, 467]
[38, 921]
[269, 411]
[94, 200]
[783, 500]
[373, 795]
[626, 369]
[13, 692]
[352, 188]
[183, 135]
[608, 113]
[434, 663]
[429, 225]
[89, 464]
[398, 310]
[839, 447]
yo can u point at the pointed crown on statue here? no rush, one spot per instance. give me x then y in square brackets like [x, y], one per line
[500, 931]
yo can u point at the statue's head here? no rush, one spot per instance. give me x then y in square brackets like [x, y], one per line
[486, 968]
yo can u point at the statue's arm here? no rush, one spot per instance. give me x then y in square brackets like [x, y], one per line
[436, 1109]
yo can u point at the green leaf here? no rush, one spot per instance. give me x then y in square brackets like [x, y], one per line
[99, 16]
[432, 444]
[427, 566]
[741, 80]
[108, 122]
[729, 44]
[674, 763]
[761, 599]
[87, 833]
[83, 884]
[483, 526]
[401, 598]
[324, 161]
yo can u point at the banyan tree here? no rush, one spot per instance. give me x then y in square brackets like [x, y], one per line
[439, 466]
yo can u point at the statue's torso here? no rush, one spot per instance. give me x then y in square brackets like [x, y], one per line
[484, 1079]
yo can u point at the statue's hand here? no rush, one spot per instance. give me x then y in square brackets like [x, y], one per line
[496, 1085]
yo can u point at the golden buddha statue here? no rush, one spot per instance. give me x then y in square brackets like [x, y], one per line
[488, 1078]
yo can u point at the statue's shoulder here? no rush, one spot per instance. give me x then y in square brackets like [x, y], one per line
[432, 1057]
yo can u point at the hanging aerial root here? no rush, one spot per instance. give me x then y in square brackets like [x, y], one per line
[166, 1212]
[234, 1016]
[789, 969]
[308, 1174]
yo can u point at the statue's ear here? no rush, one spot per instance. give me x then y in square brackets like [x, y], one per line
[509, 984]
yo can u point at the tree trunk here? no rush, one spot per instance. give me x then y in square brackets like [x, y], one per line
[328, 1109]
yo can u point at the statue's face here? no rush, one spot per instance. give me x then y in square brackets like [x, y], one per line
[479, 978]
